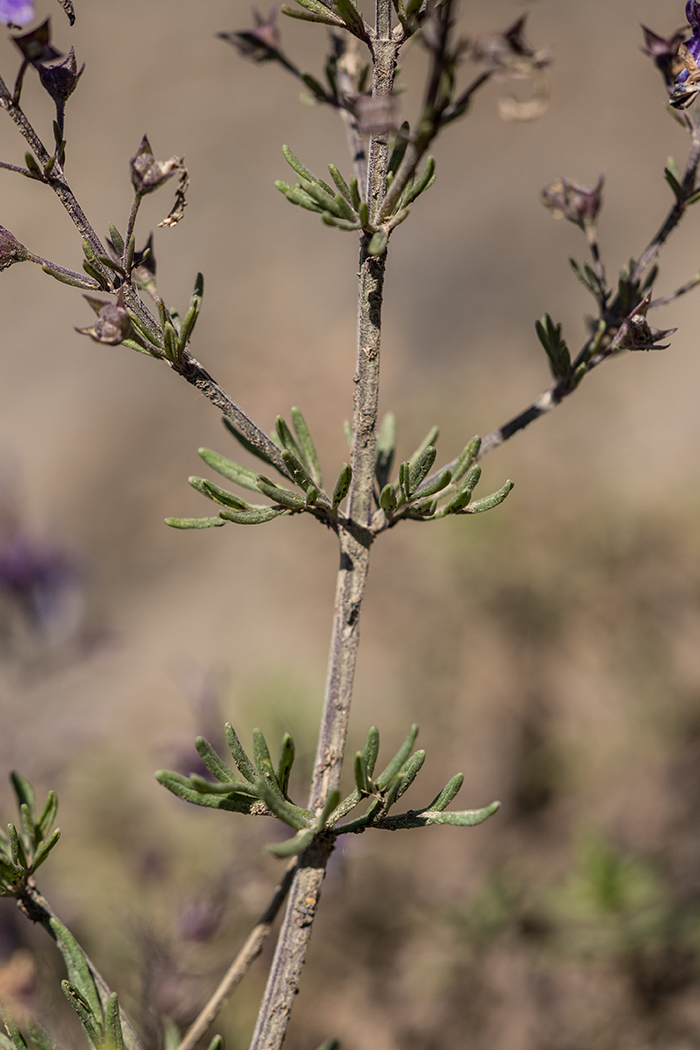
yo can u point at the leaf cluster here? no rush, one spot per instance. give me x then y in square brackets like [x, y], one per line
[27, 844]
[344, 207]
[301, 468]
[423, 496]
[261, 788]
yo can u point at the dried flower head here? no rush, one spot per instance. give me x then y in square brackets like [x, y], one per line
[16, 12]
[578, 204]
[36, 46]
[11, 251]
[261, 43]
[636, 334]
[113, 324]
[61, 79]
[510, 55]
[149, 174]
[664, 53]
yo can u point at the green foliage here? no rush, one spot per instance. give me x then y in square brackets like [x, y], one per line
[26, 846]
[261, 789]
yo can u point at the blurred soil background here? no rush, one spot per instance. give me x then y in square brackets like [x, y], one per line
[550, 649]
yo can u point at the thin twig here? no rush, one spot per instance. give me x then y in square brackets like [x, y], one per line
[241, 964]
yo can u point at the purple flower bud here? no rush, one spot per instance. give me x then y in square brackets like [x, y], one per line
[692, 13]
[16, 12]
[60, 80]
[578, 204]
[11, 251]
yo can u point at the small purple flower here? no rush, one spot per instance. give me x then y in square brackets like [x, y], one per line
[687, 84]
[16, 12]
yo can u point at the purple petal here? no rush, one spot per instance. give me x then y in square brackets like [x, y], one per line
[692, 13]
[16, 12]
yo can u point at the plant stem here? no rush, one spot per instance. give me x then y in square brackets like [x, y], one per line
[355, 539]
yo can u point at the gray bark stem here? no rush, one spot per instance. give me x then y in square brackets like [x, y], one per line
[355, 539]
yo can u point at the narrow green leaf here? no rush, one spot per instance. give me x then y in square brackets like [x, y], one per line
[458, 502]
[217, 494]
[443, 799]
[117, 239]
[405, 480]
[340, 224]
[327, 200]
[466, 459]
[39, 1036]
[342, 486]
[295, 845]
[74, 280]
[194, 523]
[296, 195]
[24, 792]
[489, 502]
[16, 1037]
[285, 763]
[245, 766]
[288, 499]
[93, 1028]
[113, 1024]
[355, 198]
[362, 780]
[308, 16]
[263, 761]
[384, 778]
[439, 482]
[181, 787]
[351, 16]
[331, 803]
[297, 471]
[340, 183]
[400, 144]
[420, 467]
[228, 469]
[429, 440]
[409, 771]
[79, 973]
[256, 516]
[172, 1036]
[289, 814]
[217, 1043]
[301, 169]
[674, 184]
[48, 813]
[306, 447]
[424, 818]
[25, 819]
[213, 762]
[371, 749]
[421, 184]
[387, 500]
[386, 445]
[377, 246]
[17, 850]
[44, 849]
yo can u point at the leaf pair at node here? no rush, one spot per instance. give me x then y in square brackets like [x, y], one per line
[423, 496]
[26, 845]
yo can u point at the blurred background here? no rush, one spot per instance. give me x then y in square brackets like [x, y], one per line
[549, 650]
